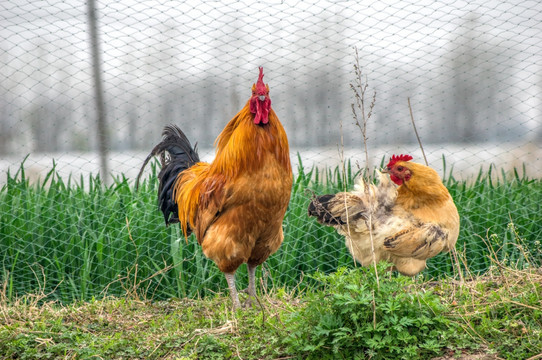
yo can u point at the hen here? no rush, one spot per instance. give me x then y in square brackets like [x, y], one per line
[411, 222]
[236, 204]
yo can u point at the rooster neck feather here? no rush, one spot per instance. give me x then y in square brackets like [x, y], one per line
[242, 146]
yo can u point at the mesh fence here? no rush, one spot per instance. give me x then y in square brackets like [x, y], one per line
[470, 69]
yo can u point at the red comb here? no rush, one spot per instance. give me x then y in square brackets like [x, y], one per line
[394, 159]
[260, 85]
[260, 77]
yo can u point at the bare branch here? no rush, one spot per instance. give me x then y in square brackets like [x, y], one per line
[416, 132]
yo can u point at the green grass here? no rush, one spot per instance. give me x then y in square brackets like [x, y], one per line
[346, 315]
[79, 240]
[502, 214]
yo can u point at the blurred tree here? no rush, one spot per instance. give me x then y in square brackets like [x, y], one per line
[475, 107]
[103, 134]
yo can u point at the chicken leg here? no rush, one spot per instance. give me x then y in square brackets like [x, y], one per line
[230, 278]
[252, 279]
[251, 285]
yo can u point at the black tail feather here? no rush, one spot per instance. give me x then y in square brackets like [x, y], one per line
[181, 157]
[319, 208]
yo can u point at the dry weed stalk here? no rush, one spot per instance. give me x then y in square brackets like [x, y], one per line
[34, 305]
[361, 114]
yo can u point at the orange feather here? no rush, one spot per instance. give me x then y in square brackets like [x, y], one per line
[240, 149]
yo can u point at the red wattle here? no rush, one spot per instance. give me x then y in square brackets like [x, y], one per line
[396, 180]
[261, 110]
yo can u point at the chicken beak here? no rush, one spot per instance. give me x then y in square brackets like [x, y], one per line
[261, 97]
[384, 171]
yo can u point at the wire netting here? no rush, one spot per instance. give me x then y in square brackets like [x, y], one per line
[471, 70]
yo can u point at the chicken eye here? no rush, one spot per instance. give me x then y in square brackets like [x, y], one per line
[400, 168]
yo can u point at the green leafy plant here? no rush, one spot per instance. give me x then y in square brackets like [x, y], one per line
[356, 316]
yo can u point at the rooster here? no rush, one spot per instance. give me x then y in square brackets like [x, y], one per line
[410, 223]
[236, 204]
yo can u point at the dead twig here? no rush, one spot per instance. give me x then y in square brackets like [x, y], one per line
[416, 132]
